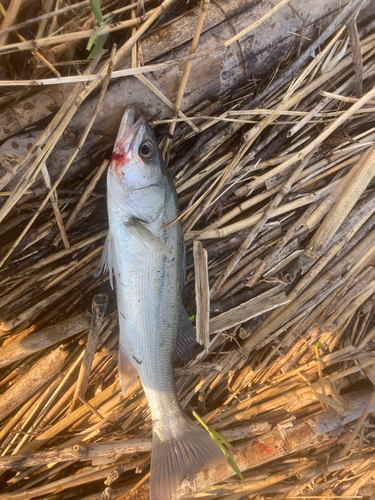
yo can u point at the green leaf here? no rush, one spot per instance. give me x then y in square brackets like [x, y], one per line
[200, 420]
[99, 44]
[97, 40]
[216, 438]
[97, 10]
[192, 317]
[318, 344]
[233, 464]
[222, 438]
[215, 487]
[96, 35]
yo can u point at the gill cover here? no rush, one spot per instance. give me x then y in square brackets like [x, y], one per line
[136, 177]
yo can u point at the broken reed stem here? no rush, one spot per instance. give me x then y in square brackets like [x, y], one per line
[99, 307]
[185, 76]
[41, 58]
[256, 24]
[357, 57]
[202, 294]
[45, 16]
[358, 426]
[215, 291]
[87, 193]
[44, 338]
[66, 120]
[47, 368]
[166, 101]
[71, 37]
[8, 20]
[343, 205]
[55, 206]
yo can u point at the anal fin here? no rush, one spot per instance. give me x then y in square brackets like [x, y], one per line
[127, 373]
[186, 340]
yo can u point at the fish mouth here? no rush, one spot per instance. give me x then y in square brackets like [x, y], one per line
[129, 129]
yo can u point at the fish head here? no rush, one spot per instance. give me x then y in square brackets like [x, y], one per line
[137, 173]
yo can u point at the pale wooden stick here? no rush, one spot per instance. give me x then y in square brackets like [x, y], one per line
[343, 98]
[64, 253]
[253, 219]
[202, 294]
[267, 301]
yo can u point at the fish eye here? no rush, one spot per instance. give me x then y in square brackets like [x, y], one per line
[147, 151]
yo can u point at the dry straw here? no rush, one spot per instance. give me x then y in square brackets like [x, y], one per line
[277, 195]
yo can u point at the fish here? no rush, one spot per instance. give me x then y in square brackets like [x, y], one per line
[146, 255]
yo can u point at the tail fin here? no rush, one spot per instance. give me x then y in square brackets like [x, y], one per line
[188, 450]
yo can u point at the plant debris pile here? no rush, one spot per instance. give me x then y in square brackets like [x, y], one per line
[276, 184]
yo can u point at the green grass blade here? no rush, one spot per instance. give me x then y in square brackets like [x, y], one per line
[97, 10]
[99, 44]
[216, 436]
[97, 40]
[222, 438]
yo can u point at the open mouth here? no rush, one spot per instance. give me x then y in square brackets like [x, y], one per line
[129, 128]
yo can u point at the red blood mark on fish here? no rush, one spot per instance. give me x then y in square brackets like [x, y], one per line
[119, 160]
[119, 157]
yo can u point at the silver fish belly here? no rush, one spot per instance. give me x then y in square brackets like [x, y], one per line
[147, 260]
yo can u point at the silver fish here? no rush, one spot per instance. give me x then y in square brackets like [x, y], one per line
[148, 263]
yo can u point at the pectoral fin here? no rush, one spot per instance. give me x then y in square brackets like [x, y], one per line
[108, 260]
[147, 238]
